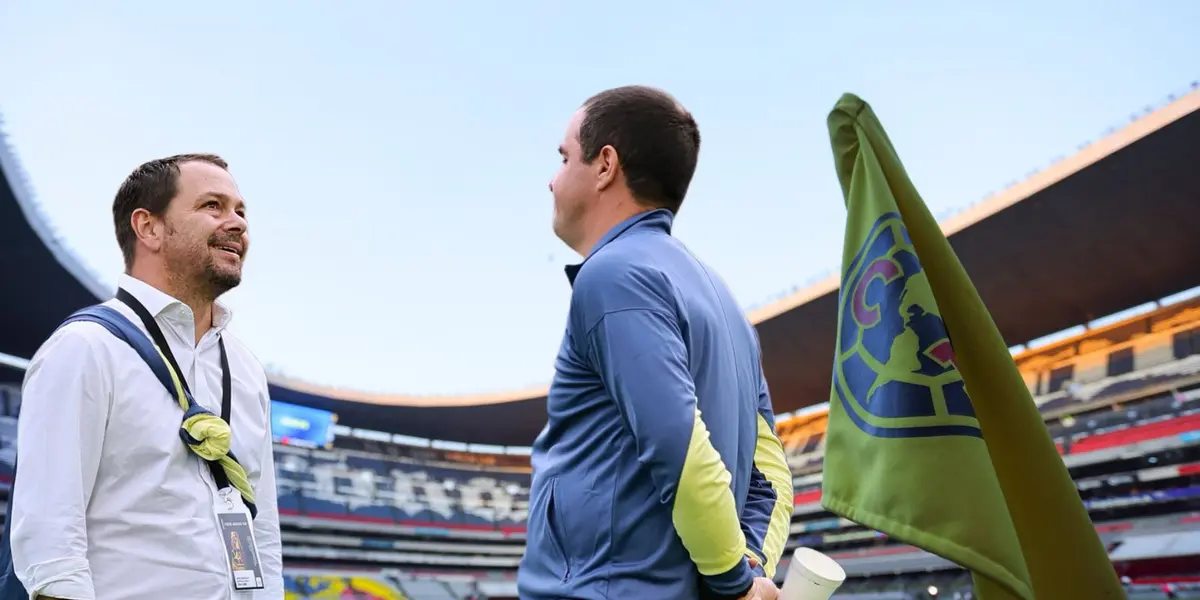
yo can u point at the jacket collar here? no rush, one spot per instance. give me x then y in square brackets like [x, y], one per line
[660, 219]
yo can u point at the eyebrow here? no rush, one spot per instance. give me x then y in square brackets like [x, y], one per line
[562, 151]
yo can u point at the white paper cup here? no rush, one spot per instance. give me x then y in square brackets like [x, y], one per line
[811, 576]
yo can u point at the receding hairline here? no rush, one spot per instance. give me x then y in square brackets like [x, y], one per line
[203, 159]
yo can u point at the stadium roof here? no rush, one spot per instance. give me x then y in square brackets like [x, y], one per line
[43, 283]
[1112, 227]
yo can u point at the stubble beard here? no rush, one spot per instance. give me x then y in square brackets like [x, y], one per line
[219, 282]
[195, 270]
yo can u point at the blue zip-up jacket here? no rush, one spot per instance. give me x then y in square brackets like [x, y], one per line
[659, 471]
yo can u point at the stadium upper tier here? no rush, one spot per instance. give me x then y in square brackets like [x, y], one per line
[1136, 190]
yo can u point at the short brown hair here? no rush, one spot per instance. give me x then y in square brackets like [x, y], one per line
[656, 139]
[150, 186]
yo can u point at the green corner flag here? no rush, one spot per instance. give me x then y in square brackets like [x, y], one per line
[933, 437]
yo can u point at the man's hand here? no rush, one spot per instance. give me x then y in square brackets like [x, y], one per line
[763, 589]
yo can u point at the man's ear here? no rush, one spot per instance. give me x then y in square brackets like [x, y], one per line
[608, 168]
[149, 229]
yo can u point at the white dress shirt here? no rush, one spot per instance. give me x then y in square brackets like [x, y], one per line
[109, 503]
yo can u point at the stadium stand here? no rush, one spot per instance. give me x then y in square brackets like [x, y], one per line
[319, 586]
[353, 486]
[1123, 404]
[371, 521]
[397, 515]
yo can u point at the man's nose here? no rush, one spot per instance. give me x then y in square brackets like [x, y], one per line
[237, 223]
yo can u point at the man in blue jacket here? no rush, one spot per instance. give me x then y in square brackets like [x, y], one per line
[659, 475]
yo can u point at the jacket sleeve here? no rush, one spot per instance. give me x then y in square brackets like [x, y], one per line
[767, 515]
[642, 360]
[60, 438]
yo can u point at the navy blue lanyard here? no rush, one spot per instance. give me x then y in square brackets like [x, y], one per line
[160, 340]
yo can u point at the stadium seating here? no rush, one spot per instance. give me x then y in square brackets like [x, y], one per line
[8, 449]
[1131, 438]
[1170, 426]
[804, 436]
[428, 589]
[357, 486]
[1112, 387]
[341, 587]
[360, 487]
[353, 486]
[908, 587]
[1157, 591]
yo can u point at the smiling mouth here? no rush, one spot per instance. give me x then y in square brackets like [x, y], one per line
[230, 249]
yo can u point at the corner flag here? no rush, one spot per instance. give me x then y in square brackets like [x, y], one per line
[933, 437]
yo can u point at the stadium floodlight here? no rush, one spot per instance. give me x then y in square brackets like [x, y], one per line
[811, 576]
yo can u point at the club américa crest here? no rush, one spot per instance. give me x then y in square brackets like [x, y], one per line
[895, 372]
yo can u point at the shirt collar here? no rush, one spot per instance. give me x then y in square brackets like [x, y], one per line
[161, 304]
[659, 218]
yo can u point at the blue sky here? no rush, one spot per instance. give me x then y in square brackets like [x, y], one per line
[395, 155]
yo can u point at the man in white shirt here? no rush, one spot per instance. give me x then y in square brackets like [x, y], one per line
[108, 501]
